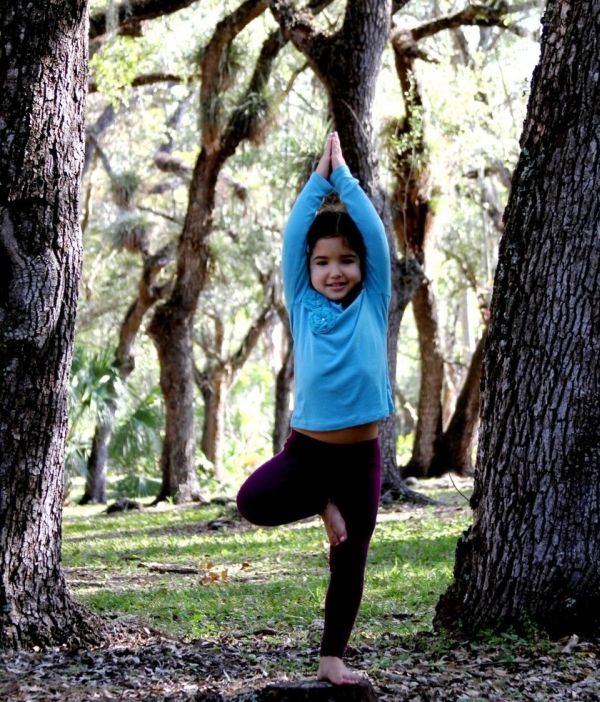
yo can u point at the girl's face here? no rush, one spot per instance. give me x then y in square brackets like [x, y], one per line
[334, 268]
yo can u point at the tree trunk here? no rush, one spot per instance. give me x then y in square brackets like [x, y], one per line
[283, 391]
[532, 555]
[347, 63]
[350, 80]
[171, 332]
[453, 447]
[95, 484]
[172, 323]
[42, 96]
[214, 393]
[412, 220]
[429, 412]
[406, 278]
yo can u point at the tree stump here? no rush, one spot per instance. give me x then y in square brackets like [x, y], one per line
[311, 691]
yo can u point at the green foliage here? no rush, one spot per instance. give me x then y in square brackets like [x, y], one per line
[94, 384]
[124, 186]
[140, 485]
[117, 63]
[136, 440]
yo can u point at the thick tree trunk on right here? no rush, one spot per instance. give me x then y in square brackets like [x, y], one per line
[532, 555]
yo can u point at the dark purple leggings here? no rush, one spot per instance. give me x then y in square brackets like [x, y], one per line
[297, 483]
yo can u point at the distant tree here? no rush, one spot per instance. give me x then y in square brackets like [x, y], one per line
[43, 79]
[436, 449]
[532, 555]
[130, 234]
[220, 372]
[222, 131]
[149, 292]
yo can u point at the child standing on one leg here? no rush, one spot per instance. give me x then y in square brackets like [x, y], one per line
[336, 277]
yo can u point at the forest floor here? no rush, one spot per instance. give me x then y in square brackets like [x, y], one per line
[204, 606]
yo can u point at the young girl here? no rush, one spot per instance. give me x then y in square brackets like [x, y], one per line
[336, 278]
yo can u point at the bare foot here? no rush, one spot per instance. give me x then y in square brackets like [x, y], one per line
[333, 669]
[335, 526]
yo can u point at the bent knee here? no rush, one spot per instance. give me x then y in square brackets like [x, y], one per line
[250, 505]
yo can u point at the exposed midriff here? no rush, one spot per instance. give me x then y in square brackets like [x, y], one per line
[349, 435]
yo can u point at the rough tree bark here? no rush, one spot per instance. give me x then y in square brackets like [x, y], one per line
[347, 62]
[43, 77]
[533, 554]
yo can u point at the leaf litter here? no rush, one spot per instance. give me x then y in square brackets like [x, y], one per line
[138, 663]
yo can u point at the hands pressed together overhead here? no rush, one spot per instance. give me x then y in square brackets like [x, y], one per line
[332, 156]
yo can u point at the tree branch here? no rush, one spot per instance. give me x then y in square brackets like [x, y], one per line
[132, 12]
[252, 112]
[239, 358]
[163, 158]
[212, 67]
[480, 15]
[147, 79]
[397, 5]
[298, 27]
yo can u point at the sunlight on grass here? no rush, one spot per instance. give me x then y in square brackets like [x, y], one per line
[247, 580]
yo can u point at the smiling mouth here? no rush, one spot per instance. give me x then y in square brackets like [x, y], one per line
[336, 285]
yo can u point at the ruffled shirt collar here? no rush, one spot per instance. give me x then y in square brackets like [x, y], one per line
[323, 313]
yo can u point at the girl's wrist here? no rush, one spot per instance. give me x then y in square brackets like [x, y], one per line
[339, 165]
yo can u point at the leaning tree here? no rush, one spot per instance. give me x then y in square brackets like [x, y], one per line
[532, 555]
[43, 78]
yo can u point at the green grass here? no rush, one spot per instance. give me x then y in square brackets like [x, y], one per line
[251, 579]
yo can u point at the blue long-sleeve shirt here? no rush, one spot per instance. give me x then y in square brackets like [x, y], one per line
[340, 358]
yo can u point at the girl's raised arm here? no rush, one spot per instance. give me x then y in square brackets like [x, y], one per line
[295, 272]
[360, 208]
